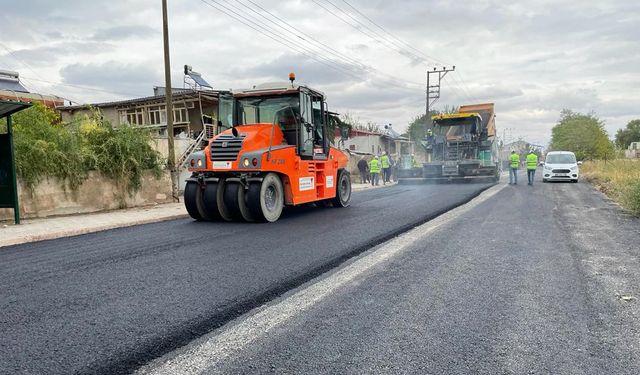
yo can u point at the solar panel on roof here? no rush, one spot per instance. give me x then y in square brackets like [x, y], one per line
[199, 80]
[12, 85]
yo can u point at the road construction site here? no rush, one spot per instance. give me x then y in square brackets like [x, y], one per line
[511, 283]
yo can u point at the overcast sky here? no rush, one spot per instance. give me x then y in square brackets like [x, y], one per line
[531, 58]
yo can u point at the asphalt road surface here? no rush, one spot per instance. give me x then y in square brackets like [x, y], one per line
[111, 301]
[535, 280]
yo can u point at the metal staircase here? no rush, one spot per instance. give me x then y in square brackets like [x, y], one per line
[207, 133]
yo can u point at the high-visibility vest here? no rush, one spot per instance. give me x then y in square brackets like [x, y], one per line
[374, 166]
[414, 163]
[532, 161]
[384, 159]
[515, 160]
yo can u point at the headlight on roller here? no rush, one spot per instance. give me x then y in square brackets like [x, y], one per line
[245, 163]
[199, 163]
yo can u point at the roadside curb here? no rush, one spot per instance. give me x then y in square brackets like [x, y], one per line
[80, 231]
[28, 238]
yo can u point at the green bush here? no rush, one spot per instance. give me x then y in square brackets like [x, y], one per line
[46, 147]
[122, 154]
[631, 198]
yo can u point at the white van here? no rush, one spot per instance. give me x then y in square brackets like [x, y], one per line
[560, 166]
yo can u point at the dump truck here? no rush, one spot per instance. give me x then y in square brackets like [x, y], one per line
[462, 145]
[276, 153]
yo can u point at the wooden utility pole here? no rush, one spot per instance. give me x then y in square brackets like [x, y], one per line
[171, 159]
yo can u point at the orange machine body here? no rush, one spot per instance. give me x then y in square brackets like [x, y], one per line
[304, 181]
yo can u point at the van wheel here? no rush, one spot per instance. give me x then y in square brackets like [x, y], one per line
[266, 199]
[343, 190]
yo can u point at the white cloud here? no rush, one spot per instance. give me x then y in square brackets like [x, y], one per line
[531, 58]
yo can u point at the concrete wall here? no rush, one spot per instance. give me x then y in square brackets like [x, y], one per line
[363, 143]
[96, 194]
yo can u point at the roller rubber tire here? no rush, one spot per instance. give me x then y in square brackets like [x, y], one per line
[193, 201]
[214, 201]
[343, 190]
[235, 199]
[266, 199]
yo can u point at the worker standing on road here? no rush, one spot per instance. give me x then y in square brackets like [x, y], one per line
[513, 170]
[374, 168]
[386, 167]
[363, 168]
[532, 164]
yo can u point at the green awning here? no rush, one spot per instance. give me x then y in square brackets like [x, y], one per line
[8, 108]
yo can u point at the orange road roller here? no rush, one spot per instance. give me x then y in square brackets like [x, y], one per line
[275, 153]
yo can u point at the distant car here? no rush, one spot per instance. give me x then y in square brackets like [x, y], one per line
[560, 166]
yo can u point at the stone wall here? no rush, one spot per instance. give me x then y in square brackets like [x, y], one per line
[97, 193]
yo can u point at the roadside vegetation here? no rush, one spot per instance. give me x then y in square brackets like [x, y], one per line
[45, 147]
[584, 134]
[604, 164]
[619, 179]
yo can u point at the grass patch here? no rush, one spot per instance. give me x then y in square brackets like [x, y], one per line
[618, 179]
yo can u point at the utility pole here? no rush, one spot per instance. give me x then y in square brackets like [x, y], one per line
[171, 159]
[433, 90]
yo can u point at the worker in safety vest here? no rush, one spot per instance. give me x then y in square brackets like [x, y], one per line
[414, 162]
[374, 169]
[386, 167]
[532, 164]
[513, 170]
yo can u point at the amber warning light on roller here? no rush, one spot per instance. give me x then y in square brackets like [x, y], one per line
[292, 77]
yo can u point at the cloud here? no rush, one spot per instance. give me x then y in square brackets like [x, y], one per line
[116, 77]
[124, 32]
[319, 72]
[531, 58]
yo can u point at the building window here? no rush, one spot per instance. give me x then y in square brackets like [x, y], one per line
[157, 115]
[180, 115]
[133, 116]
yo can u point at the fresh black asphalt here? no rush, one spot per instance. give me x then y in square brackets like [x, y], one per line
[111, 301]
[535, 280]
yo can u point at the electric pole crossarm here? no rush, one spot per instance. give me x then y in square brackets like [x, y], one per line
[433, 90]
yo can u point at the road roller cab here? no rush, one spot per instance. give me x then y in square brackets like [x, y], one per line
[275, 153]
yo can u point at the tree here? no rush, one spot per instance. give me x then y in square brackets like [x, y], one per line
[418, 126]
[631, 133]
[582, 134]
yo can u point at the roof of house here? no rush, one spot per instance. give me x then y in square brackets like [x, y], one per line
[177, 95]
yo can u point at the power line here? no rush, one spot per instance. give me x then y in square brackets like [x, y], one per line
[306, 37]
[80, 87]
[368, 34]
[377, 37]
[417, 54]
[12, 54]
[277, 37]
[55, 84]
[393, 36]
